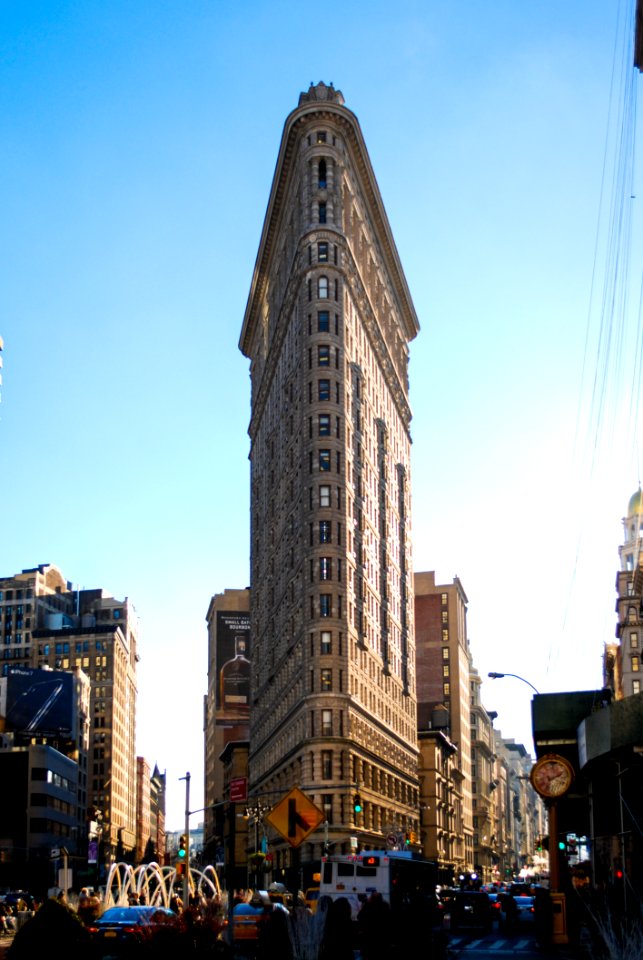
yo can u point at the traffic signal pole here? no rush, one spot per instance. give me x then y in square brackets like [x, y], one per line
[186, 872]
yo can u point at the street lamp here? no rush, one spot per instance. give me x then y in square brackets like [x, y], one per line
[499, 676]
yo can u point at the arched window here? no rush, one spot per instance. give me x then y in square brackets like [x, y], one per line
[322, 288]
[321, 175]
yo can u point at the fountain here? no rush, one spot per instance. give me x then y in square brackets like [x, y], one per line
[156, 885]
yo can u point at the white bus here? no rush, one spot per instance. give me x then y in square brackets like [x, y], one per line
[403, 878]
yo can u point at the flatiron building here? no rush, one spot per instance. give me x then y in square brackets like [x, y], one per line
[326, 329]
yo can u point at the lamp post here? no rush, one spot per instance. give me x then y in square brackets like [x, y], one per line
[499, 676]
[255, 814]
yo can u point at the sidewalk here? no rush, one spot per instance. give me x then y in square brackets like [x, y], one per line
[6, 939]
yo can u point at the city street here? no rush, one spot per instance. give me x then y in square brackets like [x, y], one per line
[523, 945]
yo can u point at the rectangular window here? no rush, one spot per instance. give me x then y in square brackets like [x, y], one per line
[445, 653]
[635, 665]
[324, 460]
[445, 635]
[323, 355]
[327, 723]
[636, 686]
[634, 640]
[326, 680]
[327, 806]
[327, 764]
[325, 646]
[325, 568]
[323, 389]
[325, 531]
[446, 690]
[323, 321]
[322, 252]
[325, 605]
[324, 495]
[322, 213]
[324, 424]
[445, 669]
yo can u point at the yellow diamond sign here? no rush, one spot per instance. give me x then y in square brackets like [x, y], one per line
[295, 817]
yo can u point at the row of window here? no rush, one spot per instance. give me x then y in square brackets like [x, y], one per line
[43, 774]
[53, 803]
[16, 594]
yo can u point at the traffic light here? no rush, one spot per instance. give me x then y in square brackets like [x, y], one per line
[412, 837]
[407, 839]
[357, 803]
[180, 869]
[182, 845]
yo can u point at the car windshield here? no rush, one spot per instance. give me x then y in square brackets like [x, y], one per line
[128, 914]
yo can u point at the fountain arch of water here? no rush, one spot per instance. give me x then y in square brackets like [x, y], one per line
[155, 884]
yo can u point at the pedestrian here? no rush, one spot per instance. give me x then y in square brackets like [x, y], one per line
[273, 940]
[375, 929]
[338, 939]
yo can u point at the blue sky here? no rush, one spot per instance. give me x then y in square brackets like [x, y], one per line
[139, 142]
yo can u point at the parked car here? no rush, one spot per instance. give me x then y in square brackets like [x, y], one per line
[119, 927]
[471, 909]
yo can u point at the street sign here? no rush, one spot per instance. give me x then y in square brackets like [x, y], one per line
[295, 817]
[55, 853]
[238, 790]
[392, 839]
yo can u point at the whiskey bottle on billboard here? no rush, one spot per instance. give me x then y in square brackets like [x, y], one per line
[234, 682]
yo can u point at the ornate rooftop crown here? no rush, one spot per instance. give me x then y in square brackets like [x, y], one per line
[322, 92]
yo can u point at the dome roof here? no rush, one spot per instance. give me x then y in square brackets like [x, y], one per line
[636, 504]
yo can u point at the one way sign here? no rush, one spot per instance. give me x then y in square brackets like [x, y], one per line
[295, 817]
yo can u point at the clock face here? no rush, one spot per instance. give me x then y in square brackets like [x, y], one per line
[552, 776]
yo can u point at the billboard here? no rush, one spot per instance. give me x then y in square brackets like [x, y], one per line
[40, 702]
[233, 663]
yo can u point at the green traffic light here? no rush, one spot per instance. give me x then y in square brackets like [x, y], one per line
[182, 853]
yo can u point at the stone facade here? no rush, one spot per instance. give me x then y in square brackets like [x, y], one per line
[622, 660]
[327, 327]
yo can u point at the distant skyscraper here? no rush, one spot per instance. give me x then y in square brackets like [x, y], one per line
[46, 623]
[326, 328]
[443, 682]
[623, 659]
[227, 705]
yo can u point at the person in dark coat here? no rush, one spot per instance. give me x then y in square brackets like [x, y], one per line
[375, 928]
[339, 936]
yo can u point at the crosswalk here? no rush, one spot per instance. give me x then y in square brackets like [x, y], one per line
[491, 945]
